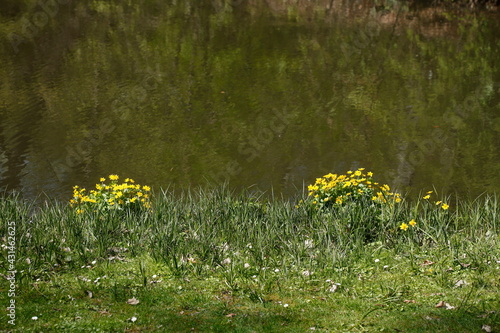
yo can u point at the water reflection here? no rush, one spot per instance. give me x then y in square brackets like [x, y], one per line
[183, 95]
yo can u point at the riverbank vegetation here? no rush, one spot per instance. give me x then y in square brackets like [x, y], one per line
[218, 261]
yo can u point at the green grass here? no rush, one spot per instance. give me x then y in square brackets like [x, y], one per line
[214, 261]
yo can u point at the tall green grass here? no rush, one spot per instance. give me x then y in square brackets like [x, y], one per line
[200, 232]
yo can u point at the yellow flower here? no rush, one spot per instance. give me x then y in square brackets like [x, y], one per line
[146, 188]
[357, 173]
[102, 179]
[403, 226]
[427, 197]
[412, 223]
[438, 203]
[369, 173]
[445, 206]
[113, 177]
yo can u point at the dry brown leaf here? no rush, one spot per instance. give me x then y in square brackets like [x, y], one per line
[409, 301]
[133, 301]
[436, 294]
[104, 312]
[427, 263]
[441, 304]
[231, 315]
[486, 328]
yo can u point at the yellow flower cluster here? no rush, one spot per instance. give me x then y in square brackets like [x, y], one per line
[355, 186]
[112, 195]
[443, 205]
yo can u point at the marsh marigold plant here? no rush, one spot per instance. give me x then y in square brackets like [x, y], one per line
[112, 196]
[354, 187]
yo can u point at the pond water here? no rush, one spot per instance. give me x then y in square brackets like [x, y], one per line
[264, 94]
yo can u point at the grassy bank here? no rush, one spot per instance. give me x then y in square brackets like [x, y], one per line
[217, 261]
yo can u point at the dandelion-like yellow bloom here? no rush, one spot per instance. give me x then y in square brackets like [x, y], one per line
[113, 177]
[369, 173]
[102, 179]
[438, 203]
[412, 223]
[403, 226]
[445, 206]
[426, 197]
[146, 188]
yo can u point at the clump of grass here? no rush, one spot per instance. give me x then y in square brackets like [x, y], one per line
[255, 252]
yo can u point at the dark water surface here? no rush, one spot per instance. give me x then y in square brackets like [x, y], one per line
[185, 93]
